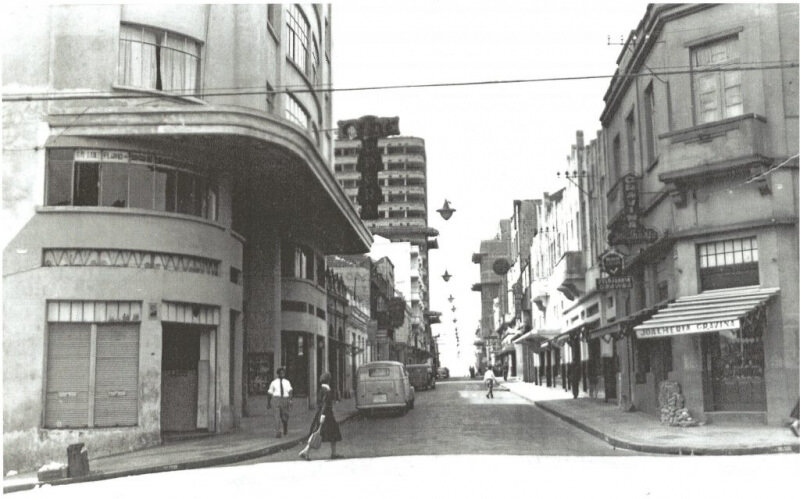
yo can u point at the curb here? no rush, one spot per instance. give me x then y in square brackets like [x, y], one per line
[666, 449]
[188, 465]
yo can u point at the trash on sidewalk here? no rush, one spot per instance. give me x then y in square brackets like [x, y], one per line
[52, 471]
[673, 405]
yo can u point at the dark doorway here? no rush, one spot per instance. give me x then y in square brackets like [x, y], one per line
[179, 359]
[294, 355]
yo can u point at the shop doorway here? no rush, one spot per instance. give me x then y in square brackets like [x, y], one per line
[180, 358]
[733, 371]
[294, 356]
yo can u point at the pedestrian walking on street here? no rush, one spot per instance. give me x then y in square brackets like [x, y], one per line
[505, 372]
[490, 380]
[471, 372]
[280, 395]
[324, 420]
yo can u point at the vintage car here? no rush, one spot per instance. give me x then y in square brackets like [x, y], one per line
[383, 385]
[443, 373]
[421, 376]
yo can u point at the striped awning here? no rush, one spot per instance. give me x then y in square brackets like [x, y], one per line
[709, 311]
[537, 335]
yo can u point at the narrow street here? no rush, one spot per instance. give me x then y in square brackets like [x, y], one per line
[457, 418]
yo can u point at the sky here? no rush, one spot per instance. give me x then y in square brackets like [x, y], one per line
[486, 145]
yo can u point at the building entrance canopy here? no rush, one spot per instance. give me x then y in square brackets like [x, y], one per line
[706, 312]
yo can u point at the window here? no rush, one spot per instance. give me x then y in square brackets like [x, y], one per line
[717, 94]
[313, 70]
[81, 334]
[650, 124]
[730, 263]
[630, 132]
[296, 113]
[616, 159]
[126, 179]
[157, 59]
[297, 39]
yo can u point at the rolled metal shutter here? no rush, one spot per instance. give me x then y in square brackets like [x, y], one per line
[67, 397]
[117, 375]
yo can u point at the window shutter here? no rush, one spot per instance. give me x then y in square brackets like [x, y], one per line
[116, 385]
[67, 397]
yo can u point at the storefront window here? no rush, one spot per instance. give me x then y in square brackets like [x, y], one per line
[734, 365]
[119, 179]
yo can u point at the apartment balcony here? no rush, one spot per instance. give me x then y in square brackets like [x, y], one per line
[568, 275]
[719, 149]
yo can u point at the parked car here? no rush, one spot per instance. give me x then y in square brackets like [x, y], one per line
[384, 385]
[421, 376]
[443, 373]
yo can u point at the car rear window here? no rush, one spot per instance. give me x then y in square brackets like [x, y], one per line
[379, 372]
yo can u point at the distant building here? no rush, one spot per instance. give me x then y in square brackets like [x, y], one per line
[494, 260]
[403, 215]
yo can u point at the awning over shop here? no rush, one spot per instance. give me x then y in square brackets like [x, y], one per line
[537, 335]
[506, 350]
[709, 311]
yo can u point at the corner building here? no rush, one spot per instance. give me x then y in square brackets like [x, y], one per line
[710, 155]
[165, 249]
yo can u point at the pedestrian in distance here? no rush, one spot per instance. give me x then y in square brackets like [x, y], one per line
[324, 421]
[505, 372]
[279, 394]
[490, 380]
[471, 372]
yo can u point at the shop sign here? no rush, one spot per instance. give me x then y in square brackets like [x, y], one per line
[700, 327]
[638, 235]
[612, 283]
[630, 198]
[87, 155]
[611, 262]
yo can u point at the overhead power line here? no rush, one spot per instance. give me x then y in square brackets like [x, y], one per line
[28, 97]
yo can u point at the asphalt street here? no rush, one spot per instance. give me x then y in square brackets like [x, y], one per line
[457, 418]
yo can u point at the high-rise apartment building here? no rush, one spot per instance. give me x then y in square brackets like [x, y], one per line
[403, 213]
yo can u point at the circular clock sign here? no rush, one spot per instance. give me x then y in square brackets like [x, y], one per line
[612, 262]
[501, 266]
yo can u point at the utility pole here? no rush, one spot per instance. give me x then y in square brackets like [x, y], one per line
[368, 129]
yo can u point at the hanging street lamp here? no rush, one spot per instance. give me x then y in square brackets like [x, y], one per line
[446, 211]
[446, 276]
[451, 299]
[453, 309]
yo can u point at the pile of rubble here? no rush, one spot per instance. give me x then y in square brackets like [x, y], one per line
[672, 405]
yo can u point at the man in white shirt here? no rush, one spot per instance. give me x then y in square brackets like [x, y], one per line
[280, 394]
[490, 381]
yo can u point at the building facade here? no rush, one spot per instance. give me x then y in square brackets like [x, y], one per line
[709, 158]
[157, 254]
[494, 262]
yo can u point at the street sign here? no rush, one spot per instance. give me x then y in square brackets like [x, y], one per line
[612, 283]
[638, 235]
[611, 262]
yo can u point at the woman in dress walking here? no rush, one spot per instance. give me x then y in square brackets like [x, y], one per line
[324, 420]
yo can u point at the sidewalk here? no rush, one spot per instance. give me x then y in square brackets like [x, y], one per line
[645, 433]
[254, 438]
